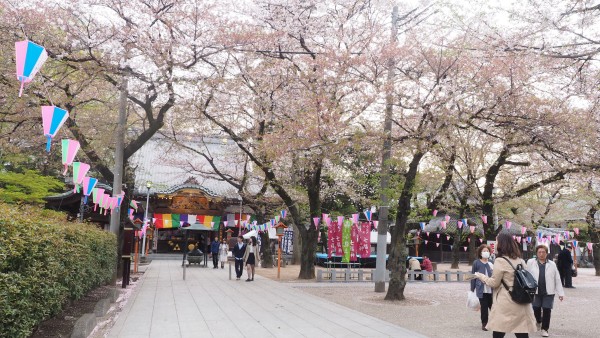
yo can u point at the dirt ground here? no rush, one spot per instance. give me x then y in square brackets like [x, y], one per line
[438, 309]
[62, 324]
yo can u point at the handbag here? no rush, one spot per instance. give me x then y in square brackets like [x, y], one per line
[573, 271]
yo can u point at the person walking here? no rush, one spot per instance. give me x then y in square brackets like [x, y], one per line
[565, 266]
[214, 250]
[223, 252]
[547, 277]
[238, 252]
[251, 257]
[506, 315]
[483, 292]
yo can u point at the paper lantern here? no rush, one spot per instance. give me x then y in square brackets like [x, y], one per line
[79, 171]
[52, 119]
[69, 150]
[89, 183]
[29, 59]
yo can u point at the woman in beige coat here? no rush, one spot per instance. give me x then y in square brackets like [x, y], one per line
[506, 315]
[251, 258]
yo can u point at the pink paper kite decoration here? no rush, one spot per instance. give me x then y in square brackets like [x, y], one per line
[89, 183]
[79, 171]
[69, 150]
[52, 119]
[30, 57]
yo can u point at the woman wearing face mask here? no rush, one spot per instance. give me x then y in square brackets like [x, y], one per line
[483, 292]
[548, 278]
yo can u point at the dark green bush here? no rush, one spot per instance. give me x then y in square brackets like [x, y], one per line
[46, 261]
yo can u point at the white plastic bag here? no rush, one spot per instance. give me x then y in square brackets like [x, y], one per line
[473, 301]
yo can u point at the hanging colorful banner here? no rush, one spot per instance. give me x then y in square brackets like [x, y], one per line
[330, 240]
[355, 245]
[338, 243]
[346, 240]
[365, 240]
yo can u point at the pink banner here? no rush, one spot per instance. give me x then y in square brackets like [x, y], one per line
[365, 240]
[338, 240]
[330, 240]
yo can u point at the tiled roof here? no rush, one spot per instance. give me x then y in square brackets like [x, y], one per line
[171, 167]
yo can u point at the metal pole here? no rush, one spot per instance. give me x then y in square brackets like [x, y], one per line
[382, 228]
[115, 216]
[146, 221]
[81, 209]
[279, 257]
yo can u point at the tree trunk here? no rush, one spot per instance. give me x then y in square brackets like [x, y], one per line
[398, 252]
[267, 258]
[455, 251]
[596, 250]
[472, 249]
[307, 260]
[594, 235]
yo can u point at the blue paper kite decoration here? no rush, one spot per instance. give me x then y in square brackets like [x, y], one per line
[30, 57]
[52, 118]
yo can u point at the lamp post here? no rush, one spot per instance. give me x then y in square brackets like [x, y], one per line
[148, 186]
[279, 229]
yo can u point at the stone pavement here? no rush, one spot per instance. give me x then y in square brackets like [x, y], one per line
[208, 304]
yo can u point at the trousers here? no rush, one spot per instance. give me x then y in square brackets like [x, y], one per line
[566, 276]
[542, 316]
[486, 305]
[239, 267]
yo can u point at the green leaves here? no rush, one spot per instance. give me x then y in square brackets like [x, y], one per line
[27, 187]
[46, 261]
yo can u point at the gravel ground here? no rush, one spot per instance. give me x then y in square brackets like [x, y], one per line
[439, 309]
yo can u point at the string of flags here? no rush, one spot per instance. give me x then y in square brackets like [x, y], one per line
[30, 57]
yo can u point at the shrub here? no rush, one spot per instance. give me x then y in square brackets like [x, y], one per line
[45, 262]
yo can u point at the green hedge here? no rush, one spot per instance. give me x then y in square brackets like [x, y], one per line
[46, 261]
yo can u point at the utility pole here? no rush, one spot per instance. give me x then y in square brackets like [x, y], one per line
[382, 228]
[115, 216]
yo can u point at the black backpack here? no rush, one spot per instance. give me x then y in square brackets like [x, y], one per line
[524, 286]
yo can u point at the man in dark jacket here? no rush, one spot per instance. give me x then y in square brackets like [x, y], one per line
[239, 249]
[564, 265]
[214, 250]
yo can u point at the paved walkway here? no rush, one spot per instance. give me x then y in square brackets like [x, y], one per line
[208, 304]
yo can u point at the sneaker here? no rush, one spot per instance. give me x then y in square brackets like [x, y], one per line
[539, 326]
[545, 333]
